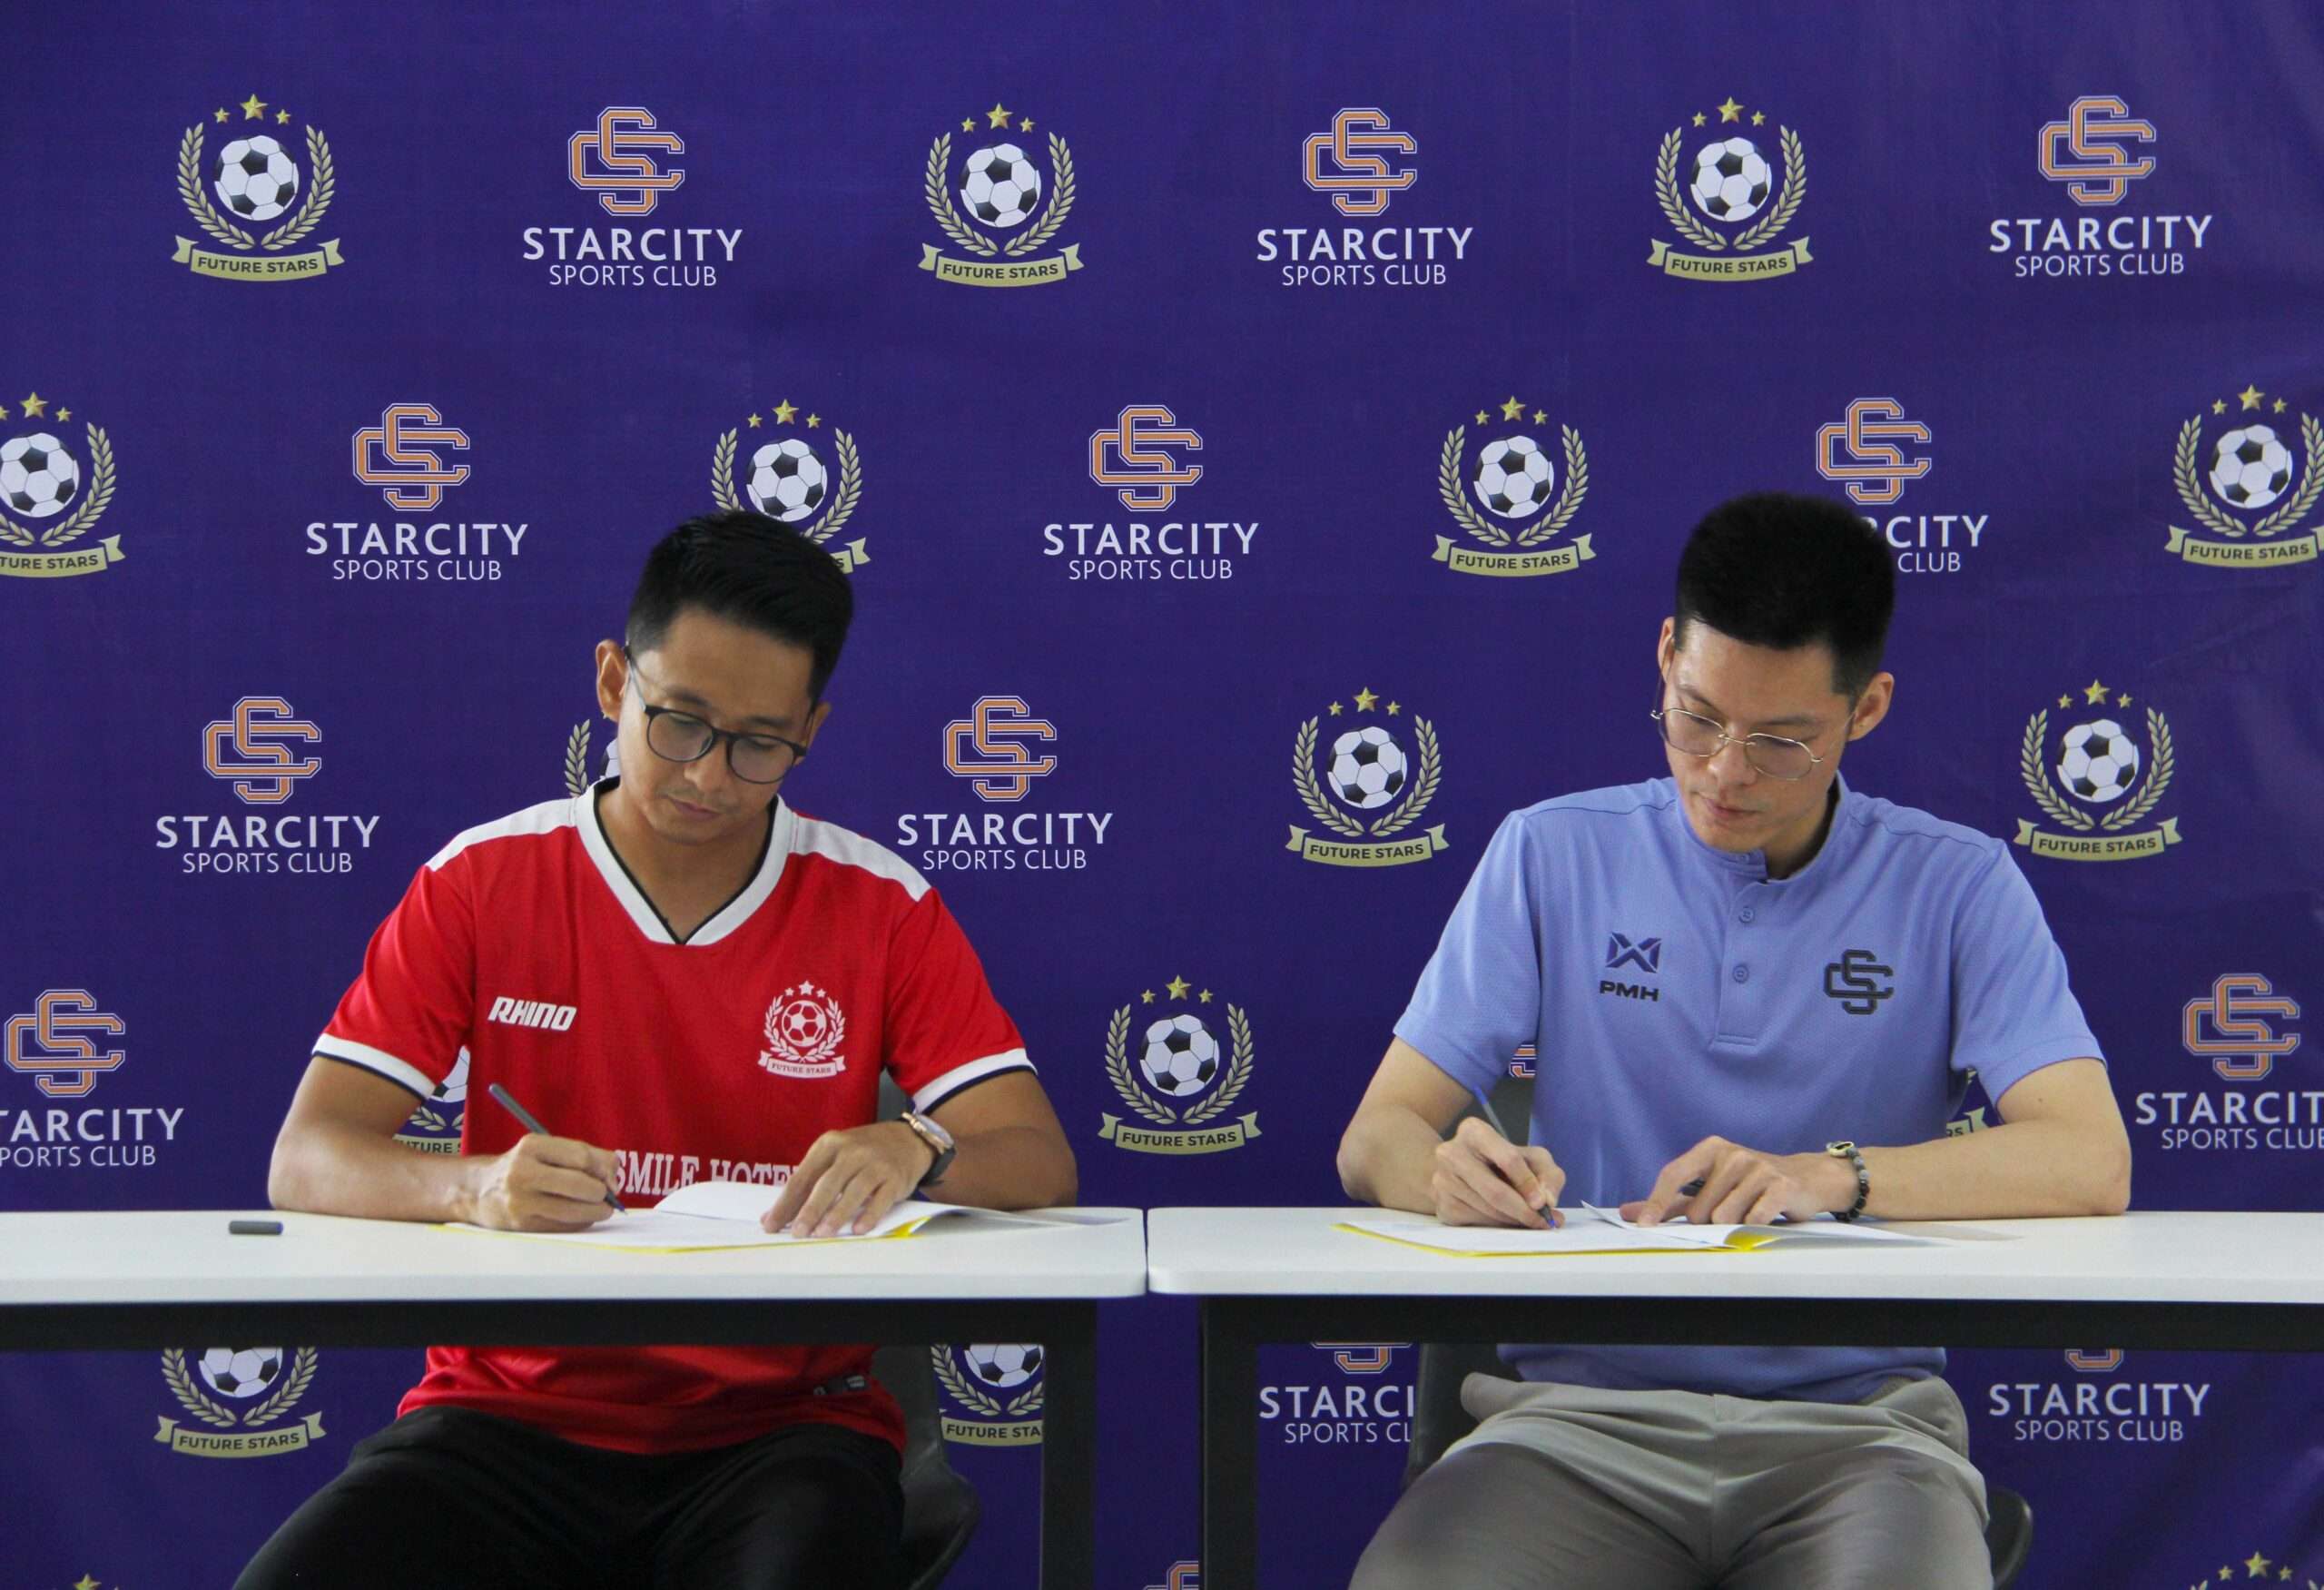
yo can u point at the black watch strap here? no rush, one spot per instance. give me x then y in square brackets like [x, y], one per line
[940, 1143]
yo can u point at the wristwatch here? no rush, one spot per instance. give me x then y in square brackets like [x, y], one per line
[940, 1143]
[1850, 1151]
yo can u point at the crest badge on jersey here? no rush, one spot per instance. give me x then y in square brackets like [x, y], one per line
[998, 1389]
[1717, 182]
[805, 1029]
[254, 196]
[2094, 779]
[784, 465]
[53, 488]
[1167, 1059]
[981, 200]
[239, 1401]
[1377, 791]
[2249, 469]
[1512, 499]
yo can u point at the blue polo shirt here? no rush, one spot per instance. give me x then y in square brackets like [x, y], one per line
[1674, 991]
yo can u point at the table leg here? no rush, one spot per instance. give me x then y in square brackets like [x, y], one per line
[1230, 1447]
[1068, 1336]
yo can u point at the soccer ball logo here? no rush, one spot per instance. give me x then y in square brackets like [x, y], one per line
[255, 178]
[1002, 185]
[1368, 768]
[1003, 1366]
[1731, 180]
[1180, 1057]
[787, 481]
[2101, 762]
[804, 1023]
[454, 1088]
[2249, 466]
[1513, 477]
[37, 476]
[241, 1371]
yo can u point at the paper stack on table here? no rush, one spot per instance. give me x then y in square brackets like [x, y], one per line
[707, 1215]
[1591, 1229]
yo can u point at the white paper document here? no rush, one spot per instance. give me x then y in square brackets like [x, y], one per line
[726, 1214]
[1589, 1229]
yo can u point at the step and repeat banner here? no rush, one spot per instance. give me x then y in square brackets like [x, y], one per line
[1261, 440]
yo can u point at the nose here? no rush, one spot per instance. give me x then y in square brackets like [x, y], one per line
[709, 776]
[1731, 767]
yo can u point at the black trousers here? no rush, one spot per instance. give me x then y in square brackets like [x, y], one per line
[445, 1498]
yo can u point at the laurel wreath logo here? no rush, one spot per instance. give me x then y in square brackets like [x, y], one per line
[2032, 765]
[975, 1398]
[1761, 232]
[1450, 475]
[1398, 817]
[836, 510]
[1241, 1054]
[2287, 517]
[76, 525]
[835, 1029]
[427, 1120]
[937, 186]
[190, 1396]
[577, 760]
[321, 184]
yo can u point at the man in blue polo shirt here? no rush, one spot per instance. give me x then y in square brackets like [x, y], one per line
[1755, 992]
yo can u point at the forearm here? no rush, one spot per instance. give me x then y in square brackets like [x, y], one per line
[1388, 1157]
[2026, 1168]
[1008, 1166]
[325, 1167]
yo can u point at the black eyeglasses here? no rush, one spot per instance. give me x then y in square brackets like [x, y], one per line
[681, 737]
[1693, 735]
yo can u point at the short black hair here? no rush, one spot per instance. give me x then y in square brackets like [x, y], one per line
[751, 570]
[1784, 571]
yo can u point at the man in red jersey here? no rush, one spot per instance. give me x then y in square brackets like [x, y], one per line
[685, 978]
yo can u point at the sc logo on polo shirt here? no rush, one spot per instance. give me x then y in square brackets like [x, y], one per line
[1857, 980]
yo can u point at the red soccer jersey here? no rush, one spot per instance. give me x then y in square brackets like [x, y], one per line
[526, 944]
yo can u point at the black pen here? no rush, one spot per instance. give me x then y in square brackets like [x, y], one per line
[525, 1116]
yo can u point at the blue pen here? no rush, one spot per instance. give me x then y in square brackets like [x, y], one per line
[525, 1116]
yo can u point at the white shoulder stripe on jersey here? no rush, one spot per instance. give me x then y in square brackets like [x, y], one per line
[815, 837]
[545, 818]
[961, 1076]
[400, 1072]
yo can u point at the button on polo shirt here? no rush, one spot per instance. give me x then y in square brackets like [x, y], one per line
[1674, 991]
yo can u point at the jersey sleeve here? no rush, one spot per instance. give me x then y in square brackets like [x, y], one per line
[407, 1016]
[1478, 1000]
[945, 1030]
[2012, 1012]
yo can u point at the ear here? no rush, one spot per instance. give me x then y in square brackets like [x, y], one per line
[613, 678]
[1878, 696]
[1666, 645]
[815, 720]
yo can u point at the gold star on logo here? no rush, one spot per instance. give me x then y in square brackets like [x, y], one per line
[754, 422]
[2123, 698]
[1730, 111]
[1394, 707]
[2251, 396]
[2280, 405]
[1698, 118]
[2066, 701]
[814, 421]
[32, 404]
[282, 118]
[2256, 1565]
[2093, 693]
[1364, 698]
[221, 113]
[251, 107]
[1205, 996]
[1335, 709]
[1024, 123]
[2218, 408]
[85, 1582]
[1178, 987]
[1758, 118]
[64, 414]
[1147, 998]
[968, 123]
[1539, 418]
[996, 116]
[1511, 409]
[1481, 416]
[783, 411]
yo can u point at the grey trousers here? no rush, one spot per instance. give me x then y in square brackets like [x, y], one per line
[1567, 1487]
